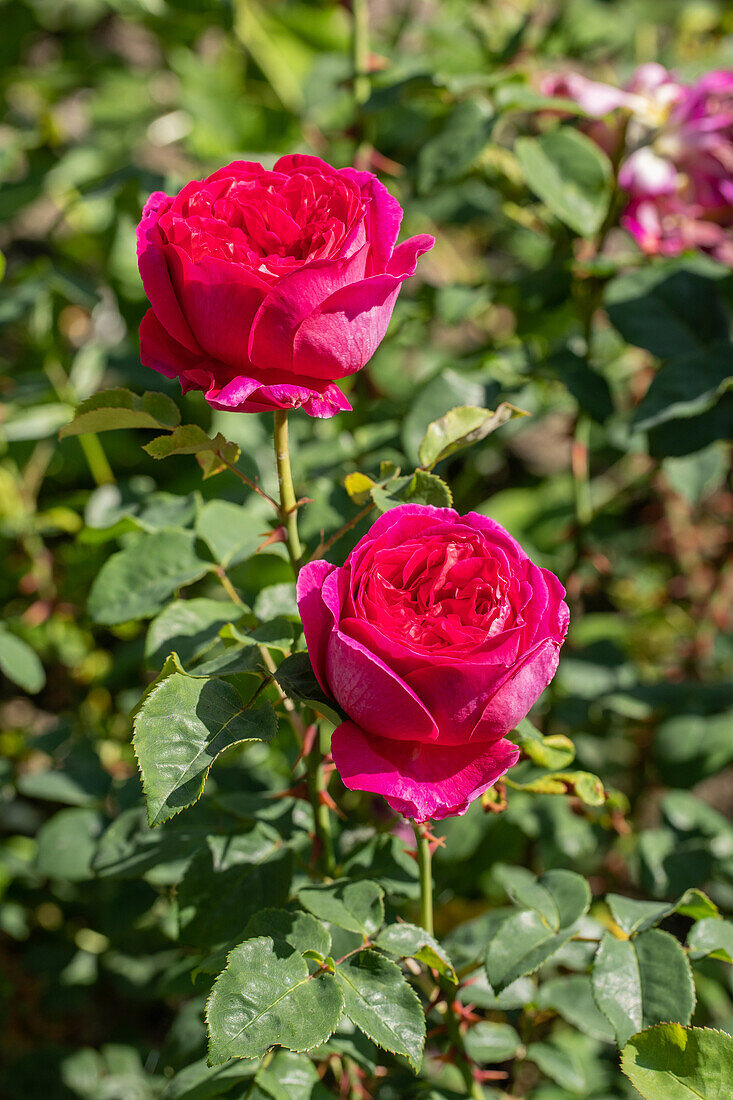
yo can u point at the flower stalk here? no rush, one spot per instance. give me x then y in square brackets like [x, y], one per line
[448, 989]
[288, 503]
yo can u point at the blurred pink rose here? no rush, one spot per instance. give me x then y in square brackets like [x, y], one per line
[436, 637]
[677, 160]
[268, 286]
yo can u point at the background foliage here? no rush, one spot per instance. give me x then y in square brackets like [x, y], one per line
[617, 481]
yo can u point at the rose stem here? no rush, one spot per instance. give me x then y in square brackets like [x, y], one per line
[424, 863]
[288, 504]
[317, 781]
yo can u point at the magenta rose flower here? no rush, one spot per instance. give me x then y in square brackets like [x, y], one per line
[268, 286]
[436, 637]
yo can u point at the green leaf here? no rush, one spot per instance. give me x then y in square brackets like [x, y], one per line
[634, 916]
[426, 488]
[643, 981]
[200, 1081]
[229, 531]
[522, 943]
[586, 786]
[355, 906]
[711, 936]
[686, 387]
[187, 627]
[459, 428]
[301, 930]
[135, 582]
[560, 897]
[570, 174]
[669, 1062]
[66, 844]
[266, 997]
[409, 941]
[228, 881]
[20, 663]
[571, 996]
[488, 1043]
[120, 408]
[440, 393]
[182, 726]
[667, 308]
[296, 677]
[291, 1076]
[380, 1002]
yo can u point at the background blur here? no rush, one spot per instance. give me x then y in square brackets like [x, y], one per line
[107, 100]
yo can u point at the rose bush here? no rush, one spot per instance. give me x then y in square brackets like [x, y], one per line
[267, 286]
[436, 637]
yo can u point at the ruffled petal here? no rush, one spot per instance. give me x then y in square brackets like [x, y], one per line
[421, 781]
[245, 394]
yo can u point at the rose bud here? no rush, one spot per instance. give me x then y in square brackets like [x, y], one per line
[267, 286]
[436, 637]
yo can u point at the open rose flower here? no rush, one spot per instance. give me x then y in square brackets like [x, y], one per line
[267, 286]
[435, 637]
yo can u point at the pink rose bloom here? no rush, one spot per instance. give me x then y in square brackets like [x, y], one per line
[267, 286]
[436, 637]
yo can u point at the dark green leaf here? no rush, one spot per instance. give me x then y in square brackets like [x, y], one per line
[356, 906]
[187, 627]
[687, 387]
[301, 930]
[640, 982]
[380, 1002]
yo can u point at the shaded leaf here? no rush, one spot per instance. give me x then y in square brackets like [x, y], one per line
[570, 174]
[356, 906]
[380, 1002]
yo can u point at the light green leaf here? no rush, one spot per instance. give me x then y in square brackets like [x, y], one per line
[229, 531]
[426, 488]
[182, 726]
[189, 439]
[585, 785]
[356, 906]
[459, 428]
[554, 752]
[409, 941]
[267, 997]
[135, 582]
[380, 1002]
[20, 663]
[187, 627]
[669, 1062]
[560, 897]
[711, 936]
[120, 408]
[488, 1043]
[570, 174]
[643, 981]
[634, 916]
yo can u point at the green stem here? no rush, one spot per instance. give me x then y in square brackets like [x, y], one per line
[317, 784]
[424, 863]
[288, 503]
[360, 51]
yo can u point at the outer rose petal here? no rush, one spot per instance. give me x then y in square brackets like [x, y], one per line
[155, 274]
[372, 694]
[160, 351]
[244, 394]
[519, 692]
[421, 781]
[317, 619]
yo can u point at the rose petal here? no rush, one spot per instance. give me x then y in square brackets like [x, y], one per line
[421, 781]
[160, 351]
[155, 274]
[293, 299]
[405, 256]
[318, 621]
[245, 394]
[519, 692]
